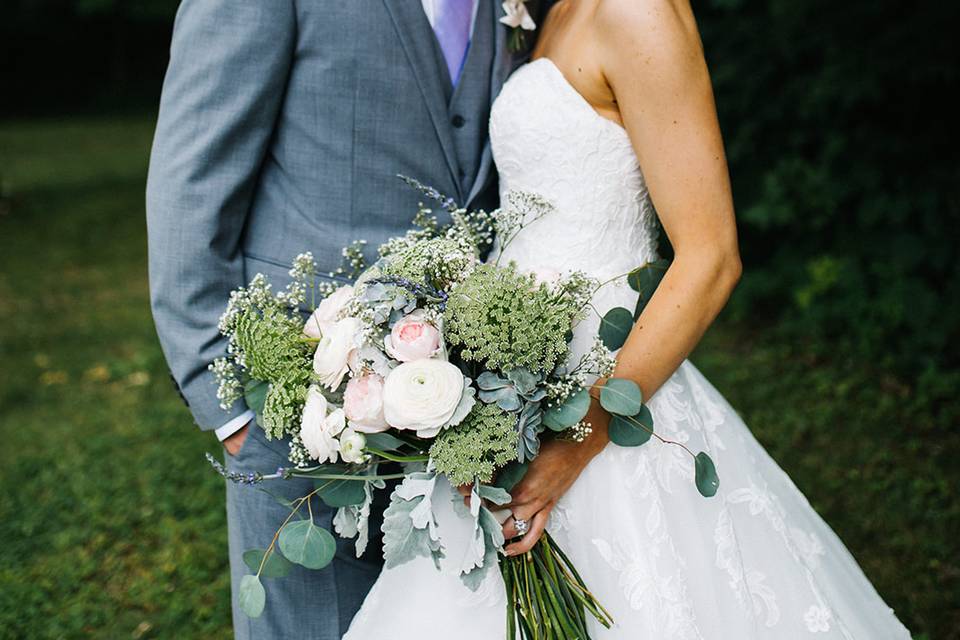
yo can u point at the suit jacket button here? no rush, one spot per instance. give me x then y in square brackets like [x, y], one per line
[457, 121]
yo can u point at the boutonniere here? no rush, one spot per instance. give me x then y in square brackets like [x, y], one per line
[519, 20]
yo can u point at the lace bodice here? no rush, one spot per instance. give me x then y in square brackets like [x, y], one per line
[548, 140]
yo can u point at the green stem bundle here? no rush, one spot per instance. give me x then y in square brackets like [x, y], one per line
[546, 597]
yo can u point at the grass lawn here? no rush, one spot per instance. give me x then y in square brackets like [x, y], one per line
[112, 525]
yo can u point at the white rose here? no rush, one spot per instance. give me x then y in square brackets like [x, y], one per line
[327, 311]
[334, 351]
[351, 446]
[422, 395]
[318, 430]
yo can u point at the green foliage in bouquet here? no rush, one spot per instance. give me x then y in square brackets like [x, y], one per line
[272, 344]
[504, 319]
[437, 261]
[474, 450]
[282, 407]
[270, 361]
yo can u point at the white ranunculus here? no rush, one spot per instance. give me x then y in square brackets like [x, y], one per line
[422, 395]
[318, 429]
[332, 357]
[327, 311]
[351, 446]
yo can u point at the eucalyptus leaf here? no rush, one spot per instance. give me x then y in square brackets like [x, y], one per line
[706, 475]
[621, 397]
[303, 542]
[625, 432]
[283, 500]
[645, 280]
[565, 415]
[384, 442]
[341, 493]
[276, 566]
[252, 596]
[615, 326]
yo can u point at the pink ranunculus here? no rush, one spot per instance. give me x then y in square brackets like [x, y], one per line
[413, 338]
[328, 311]
[363, 404]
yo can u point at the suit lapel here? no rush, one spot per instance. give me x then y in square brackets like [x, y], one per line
[502, 66]
[416, 38]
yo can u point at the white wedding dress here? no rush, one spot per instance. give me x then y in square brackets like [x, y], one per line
[753, 562]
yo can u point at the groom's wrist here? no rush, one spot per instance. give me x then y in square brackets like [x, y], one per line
[225, 431]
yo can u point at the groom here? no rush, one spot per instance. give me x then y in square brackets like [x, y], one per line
[282, 127]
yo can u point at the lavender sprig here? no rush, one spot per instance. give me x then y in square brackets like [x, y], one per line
[254, 477]
[447, 203]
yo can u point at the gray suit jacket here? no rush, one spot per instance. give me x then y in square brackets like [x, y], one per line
[282, 126]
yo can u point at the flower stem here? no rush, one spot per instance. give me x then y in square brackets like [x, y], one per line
[396, 458]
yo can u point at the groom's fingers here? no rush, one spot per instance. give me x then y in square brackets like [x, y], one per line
[537, 525]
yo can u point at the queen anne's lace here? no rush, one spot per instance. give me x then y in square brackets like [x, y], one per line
[753, 563]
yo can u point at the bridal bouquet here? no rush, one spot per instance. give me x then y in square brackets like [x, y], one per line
[452, 367]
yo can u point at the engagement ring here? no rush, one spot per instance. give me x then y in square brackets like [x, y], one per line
[522, 526]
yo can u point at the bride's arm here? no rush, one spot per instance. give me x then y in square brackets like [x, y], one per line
[651, 57]
[653, 61]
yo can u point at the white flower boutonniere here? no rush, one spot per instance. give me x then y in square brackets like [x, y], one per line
[519, 19]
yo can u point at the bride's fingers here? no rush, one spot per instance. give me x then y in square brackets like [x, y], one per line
[523, 512]
[509, 529]
[537, 525]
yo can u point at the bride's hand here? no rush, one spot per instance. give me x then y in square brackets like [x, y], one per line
[549, 476]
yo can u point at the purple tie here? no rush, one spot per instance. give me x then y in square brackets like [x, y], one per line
[452, 26]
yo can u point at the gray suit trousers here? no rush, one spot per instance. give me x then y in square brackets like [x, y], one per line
[294, 602]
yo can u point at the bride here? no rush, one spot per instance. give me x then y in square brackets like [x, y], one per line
[616, 86]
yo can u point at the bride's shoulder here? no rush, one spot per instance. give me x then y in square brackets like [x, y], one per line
[645, 23]
[648, 40]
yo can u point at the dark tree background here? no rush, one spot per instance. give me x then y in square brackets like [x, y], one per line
[840, 125]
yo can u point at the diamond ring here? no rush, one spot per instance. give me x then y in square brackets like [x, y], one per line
[522, 526]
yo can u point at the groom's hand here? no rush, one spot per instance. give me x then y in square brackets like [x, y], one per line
[233, 442]
[549, 476]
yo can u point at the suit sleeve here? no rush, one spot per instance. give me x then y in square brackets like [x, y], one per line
[229, 65]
